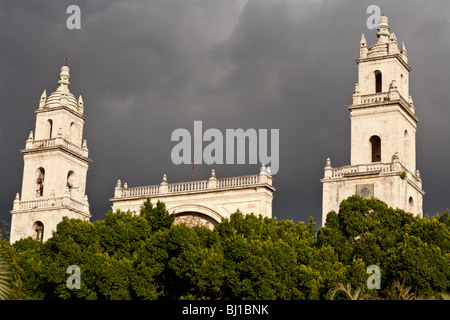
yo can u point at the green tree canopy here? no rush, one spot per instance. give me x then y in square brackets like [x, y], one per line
[146, 256]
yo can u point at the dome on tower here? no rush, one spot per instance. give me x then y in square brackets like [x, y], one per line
[62, 96]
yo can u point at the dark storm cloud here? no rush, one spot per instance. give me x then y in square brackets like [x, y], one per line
[146, 68]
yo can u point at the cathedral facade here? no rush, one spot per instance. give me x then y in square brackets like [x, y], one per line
[383, 132]
[55, 170]
[383, 158]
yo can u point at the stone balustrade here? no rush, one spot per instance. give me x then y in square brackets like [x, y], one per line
[191, 186]
[382, 97]
[58, 141]
[395, 167]
[238, 181]
[55, 202]
[362, 168]
[376, 97]
[188, 186]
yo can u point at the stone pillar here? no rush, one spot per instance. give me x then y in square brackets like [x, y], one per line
[356, 96]
[263, 174]
[269, 175]
[66, 197]
[59, 139]
[212, 181]
[164, 186]
[51, 201]
[327, 170]
[118, 189]
[84, 149]
[16, 202]
[393, 91]
[29, 143]
[86, 204]
[397, 166]
[125, 190]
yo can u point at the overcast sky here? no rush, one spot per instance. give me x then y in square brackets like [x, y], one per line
[146, 68]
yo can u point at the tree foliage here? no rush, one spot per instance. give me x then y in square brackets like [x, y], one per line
[146, 256]
[407, 248]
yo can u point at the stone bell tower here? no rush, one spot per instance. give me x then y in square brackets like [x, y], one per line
[383, 132]
[55, 166]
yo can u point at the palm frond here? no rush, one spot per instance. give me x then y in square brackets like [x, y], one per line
[6, 278]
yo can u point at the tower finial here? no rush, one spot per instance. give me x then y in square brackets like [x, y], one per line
[64, 77]
[383, 29]
[66, 59]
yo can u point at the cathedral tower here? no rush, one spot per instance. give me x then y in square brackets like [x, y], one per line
[383, 132]
[55, 166]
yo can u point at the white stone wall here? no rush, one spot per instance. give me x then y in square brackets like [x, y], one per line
[389, 122]
[391, 69]
[389, 188]
[22, 222]
[57, 165]
[215, 203]
[64, 121]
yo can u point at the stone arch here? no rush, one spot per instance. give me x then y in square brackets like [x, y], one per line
[48, 129]
[71, 180]
[406, 146]
[195, 215]
[38, 231]
[411, 204]
[73, 132]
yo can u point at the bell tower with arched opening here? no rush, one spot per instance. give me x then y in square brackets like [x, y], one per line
[383, 132]
[55, 166]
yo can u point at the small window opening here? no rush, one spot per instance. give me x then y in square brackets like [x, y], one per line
[375, 142]
[411, 204]
[378, 81]
[40, 182]
[38, 231]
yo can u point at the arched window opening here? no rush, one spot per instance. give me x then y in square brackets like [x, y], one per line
[410, 204]
[70, 180]
[72, 132]
[405, 144]
[38, 231]
[40, 177]
[375, 142]
[378, 81]
[49, 128]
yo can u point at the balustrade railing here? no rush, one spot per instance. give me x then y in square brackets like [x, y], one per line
[55, 142]
[376, 97]
[186, 186]
[52, 202]
[382, 167]
[141, 191]
[237, 181]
